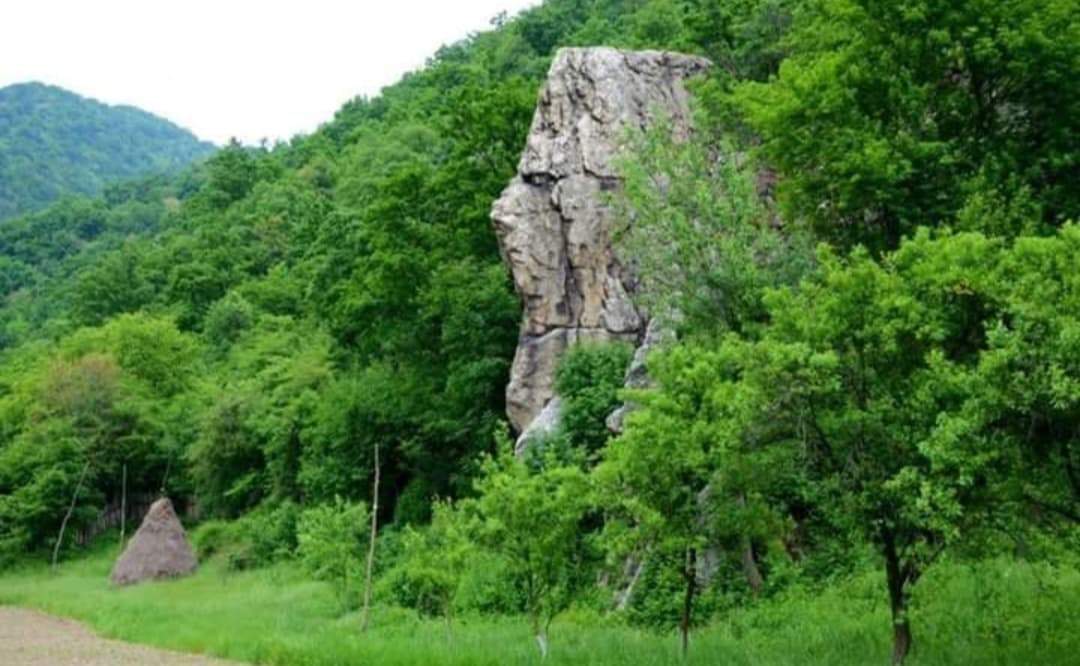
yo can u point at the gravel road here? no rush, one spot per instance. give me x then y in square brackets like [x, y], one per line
[28, 638]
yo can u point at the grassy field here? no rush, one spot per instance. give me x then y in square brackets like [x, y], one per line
[999, 612]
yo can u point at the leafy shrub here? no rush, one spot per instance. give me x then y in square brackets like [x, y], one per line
[211, 538]
[487, 587]
[434, 559]
[330, 542]
[588, 379]
[270, 533]
[262, 537]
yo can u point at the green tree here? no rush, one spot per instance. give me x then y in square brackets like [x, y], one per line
[228, 319]
[890, 115]
[705, 243]
[115, 285]
[233, 172]
[258, 410]
[865, 371]
[533, 520]
[436, 558]
[653, 486]
[1029, 377]
[329, 543]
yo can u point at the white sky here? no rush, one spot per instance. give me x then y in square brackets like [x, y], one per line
[252, 69]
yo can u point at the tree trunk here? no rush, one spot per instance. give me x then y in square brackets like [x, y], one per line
[67, 516]
[901, 640]
[690, 575]
[448, 613]
[541, 636]
[371, 544]
[897, 582]
[749, 563]
[751, 570]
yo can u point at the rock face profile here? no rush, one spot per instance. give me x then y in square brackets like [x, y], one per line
[553, 227]
[159, 549]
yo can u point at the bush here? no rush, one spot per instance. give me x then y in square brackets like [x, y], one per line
[589, 379]
[434, 560]
[211, 538]
[270, 533]
[487, 587]
[262, 537]
[330, 541]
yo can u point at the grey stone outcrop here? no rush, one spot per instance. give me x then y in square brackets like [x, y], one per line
[553, 226]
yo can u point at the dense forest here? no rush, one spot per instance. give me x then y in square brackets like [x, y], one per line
[55, 143]
[876, 371]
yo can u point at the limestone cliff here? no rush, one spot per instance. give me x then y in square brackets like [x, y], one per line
[553, 227]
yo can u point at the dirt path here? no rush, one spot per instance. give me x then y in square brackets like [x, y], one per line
[28, 638]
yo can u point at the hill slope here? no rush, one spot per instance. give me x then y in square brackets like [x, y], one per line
[54, 142]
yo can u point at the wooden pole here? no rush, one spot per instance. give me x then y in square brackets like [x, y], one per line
[67, 516]
[123, 508]
[165, 479]
[371, 544]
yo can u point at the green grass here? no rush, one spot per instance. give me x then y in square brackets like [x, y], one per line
[997, 612]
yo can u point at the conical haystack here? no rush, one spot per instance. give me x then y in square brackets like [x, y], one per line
[159, 549]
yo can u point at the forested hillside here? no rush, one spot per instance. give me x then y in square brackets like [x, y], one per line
[55, 143]
[866, 249]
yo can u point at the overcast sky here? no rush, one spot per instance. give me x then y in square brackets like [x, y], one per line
[247, 68]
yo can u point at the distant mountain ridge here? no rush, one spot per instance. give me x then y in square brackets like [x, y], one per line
[55, 142]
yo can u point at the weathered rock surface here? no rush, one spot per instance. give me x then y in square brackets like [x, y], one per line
[553, 227]
[637, 375]
[545, 424]
[159, 549]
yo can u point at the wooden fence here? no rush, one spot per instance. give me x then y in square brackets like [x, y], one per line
[137, 506]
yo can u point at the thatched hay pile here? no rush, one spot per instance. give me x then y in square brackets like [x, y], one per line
[159, 549]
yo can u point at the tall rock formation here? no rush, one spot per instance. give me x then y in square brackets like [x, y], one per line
[553, 227]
